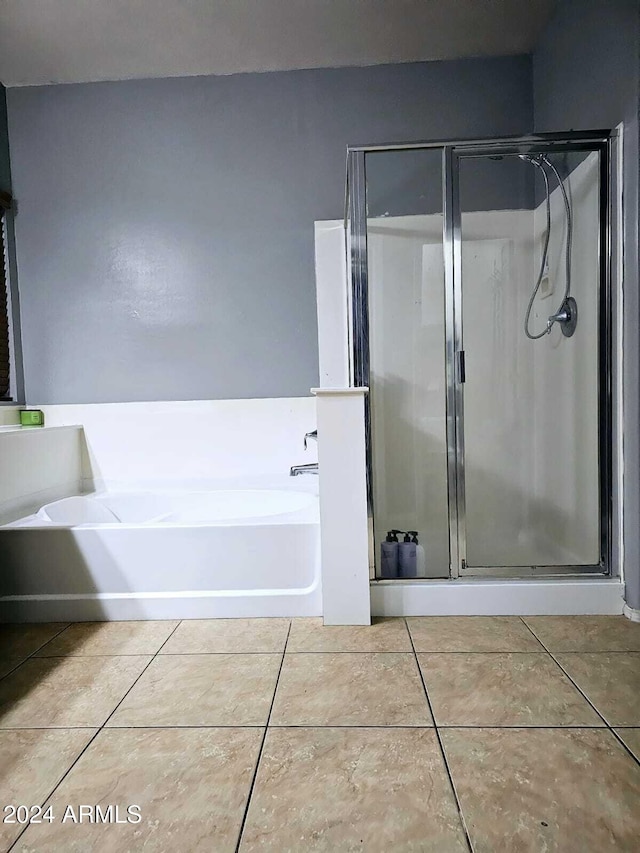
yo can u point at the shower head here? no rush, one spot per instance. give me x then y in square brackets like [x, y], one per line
[535, 160]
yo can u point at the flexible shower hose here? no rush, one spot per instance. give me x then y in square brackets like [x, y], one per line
[545, 249]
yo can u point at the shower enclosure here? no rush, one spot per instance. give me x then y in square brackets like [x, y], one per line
[480, 321]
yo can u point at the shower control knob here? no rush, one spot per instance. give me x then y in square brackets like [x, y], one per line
[566, 317]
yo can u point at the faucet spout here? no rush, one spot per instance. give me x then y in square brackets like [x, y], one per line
[311, 468]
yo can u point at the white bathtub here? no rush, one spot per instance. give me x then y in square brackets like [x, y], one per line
[248, 550]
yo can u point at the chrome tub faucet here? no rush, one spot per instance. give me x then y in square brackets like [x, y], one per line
[311, 468]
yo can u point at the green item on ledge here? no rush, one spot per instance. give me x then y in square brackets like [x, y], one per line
[31, 417]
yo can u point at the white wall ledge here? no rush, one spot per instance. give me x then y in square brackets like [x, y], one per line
[45, 428]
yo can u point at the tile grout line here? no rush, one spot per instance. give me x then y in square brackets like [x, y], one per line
[583, 694]
[180, 621]
[35, 651]
[262, 742]
[96, 733]
[623, 744]
[51, 639]
[401, 652]
[440, 744]
[58, 783]
[141, 674]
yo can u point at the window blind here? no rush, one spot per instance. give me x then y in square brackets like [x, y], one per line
[5, 357]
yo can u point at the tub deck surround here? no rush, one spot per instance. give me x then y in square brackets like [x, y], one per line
[9, 416]
[197, 440]
[343, 506]
[432, 734]
[37, 465]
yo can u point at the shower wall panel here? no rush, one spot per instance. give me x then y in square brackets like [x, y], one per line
[497, 270]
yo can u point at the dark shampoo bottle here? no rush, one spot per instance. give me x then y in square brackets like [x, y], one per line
[407, 555]
[389, 553]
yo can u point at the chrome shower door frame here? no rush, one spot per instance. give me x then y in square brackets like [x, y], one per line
[356, 234]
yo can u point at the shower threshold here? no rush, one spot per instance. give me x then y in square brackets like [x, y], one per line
[498, 596]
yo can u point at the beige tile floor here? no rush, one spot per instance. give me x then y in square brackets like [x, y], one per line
[426, 734]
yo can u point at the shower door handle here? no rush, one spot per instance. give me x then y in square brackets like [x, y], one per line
[462, 371]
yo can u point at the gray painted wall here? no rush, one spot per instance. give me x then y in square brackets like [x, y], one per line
[165, 227]
[5, 173]
[586, 75]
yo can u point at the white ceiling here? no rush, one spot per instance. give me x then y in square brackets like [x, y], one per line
[70, 41]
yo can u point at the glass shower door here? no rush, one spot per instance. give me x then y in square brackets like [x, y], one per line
[407, 372]
[481, 322]
[530, 437]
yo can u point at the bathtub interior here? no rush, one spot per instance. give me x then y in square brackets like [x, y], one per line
[210, 506]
